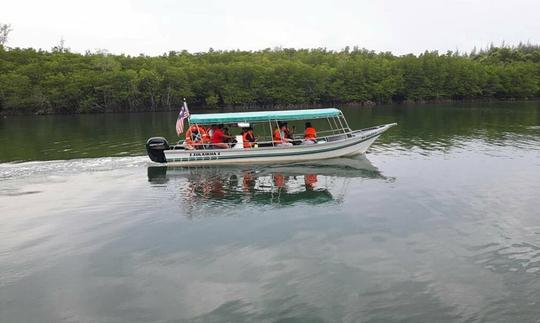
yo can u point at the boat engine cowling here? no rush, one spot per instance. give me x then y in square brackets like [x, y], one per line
[155, 148]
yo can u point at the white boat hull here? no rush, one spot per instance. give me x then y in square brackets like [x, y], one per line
[357, 142]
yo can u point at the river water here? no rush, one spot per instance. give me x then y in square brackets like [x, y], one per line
[439, 222]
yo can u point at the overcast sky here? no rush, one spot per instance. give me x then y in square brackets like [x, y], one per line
[158, 26]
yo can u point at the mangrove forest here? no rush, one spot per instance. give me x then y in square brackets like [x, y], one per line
[61, 81]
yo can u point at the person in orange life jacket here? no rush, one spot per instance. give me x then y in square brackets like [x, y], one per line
[248, 137]
[280, 136]
[219, 138]
[310, 134]
[195, 137]
[251, 136]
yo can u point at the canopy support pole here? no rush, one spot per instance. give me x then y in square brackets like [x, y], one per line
[341, 125]
[271, 132]
[330, 124]
[342, 116]
[335, 123]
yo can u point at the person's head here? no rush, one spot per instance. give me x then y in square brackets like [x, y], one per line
[250, 129]
[283, 126]
[308, 124]
[244, 130]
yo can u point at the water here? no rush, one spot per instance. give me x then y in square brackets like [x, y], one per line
[440, 222]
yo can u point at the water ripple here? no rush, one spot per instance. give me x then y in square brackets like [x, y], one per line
[517, 257]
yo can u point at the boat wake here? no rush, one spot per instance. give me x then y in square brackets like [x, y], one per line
[58, 167]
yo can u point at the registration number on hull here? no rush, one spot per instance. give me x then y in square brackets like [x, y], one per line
[202, 154]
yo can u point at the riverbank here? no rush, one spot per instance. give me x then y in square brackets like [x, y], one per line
[368, 104]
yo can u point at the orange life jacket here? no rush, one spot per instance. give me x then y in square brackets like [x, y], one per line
[310, 133]
[245, 138]
[277, 136]
[202, 138]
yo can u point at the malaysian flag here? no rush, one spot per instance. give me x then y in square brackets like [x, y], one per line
[184, 113]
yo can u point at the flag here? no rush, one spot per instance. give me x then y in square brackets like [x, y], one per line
[184, 113]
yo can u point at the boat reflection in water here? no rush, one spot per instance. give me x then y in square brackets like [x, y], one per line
[314, 183]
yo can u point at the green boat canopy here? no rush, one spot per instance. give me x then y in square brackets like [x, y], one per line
[263, 116]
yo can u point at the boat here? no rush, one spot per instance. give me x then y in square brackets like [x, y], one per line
[338, 140]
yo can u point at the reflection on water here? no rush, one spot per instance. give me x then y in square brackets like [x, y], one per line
[314, 183]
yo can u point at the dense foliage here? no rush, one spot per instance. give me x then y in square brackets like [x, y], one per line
[59, 81]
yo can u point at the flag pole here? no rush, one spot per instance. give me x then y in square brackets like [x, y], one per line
[187, 111]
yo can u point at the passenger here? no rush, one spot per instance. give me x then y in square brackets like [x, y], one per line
[252, 135]
[310, 134]
[219, 140]
[248, 137]
[288, 133]
[279, 136]
[196, 137]
[228, 138]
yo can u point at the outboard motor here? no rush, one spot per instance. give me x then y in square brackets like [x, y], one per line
[155, 147]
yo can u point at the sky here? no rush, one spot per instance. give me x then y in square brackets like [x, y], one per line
[154, 27]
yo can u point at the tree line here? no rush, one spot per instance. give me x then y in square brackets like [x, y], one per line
[61, 81]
